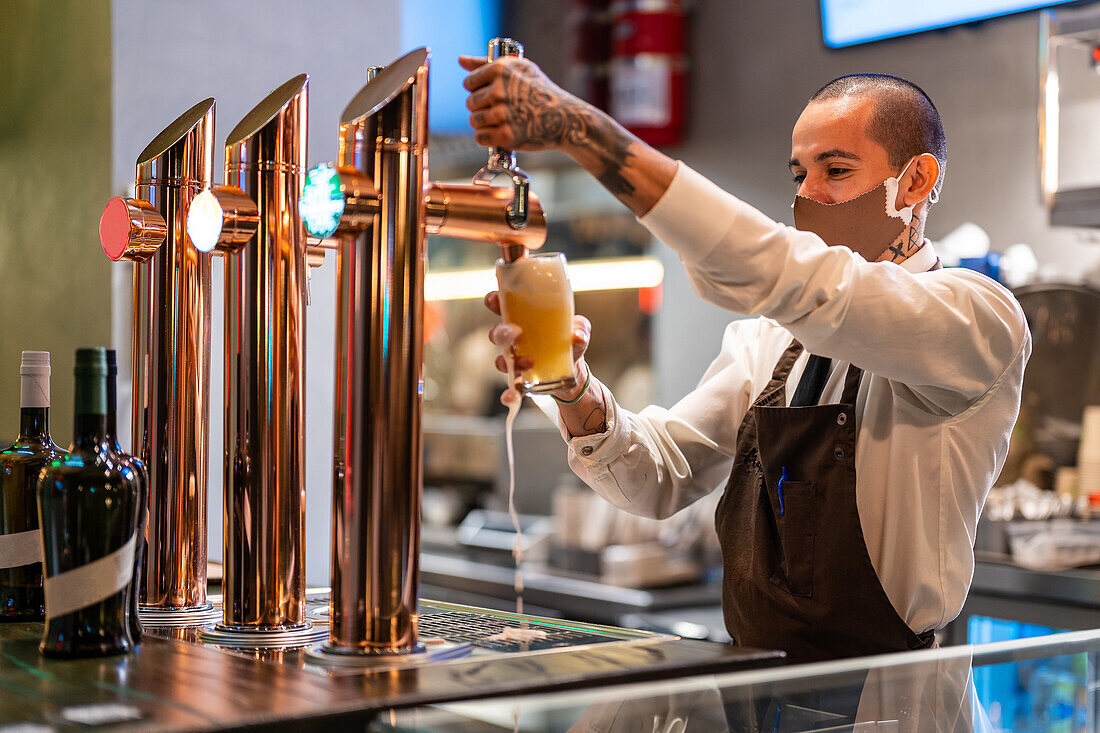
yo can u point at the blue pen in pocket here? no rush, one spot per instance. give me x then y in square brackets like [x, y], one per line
[779, 488]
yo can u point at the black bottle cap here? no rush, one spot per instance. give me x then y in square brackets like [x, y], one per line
[90, 393]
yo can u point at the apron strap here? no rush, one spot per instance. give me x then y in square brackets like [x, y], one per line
[816, 373]
[775, 390]
[851, 385]
[786, 362]
[812, 383]
[855, 374]
[777, 385]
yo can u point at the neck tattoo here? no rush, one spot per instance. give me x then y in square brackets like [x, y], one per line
[911, 240]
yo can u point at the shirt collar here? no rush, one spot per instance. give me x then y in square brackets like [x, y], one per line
[923, 260]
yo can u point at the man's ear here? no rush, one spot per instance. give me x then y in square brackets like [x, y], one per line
[923, 174]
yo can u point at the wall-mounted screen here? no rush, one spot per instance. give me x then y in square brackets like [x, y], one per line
[449, 28]
[850, 22]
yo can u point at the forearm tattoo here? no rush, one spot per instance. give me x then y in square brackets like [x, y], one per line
[594, 414]
[539, 117]
[596, 422]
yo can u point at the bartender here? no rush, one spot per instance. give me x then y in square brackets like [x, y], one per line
[857, 423]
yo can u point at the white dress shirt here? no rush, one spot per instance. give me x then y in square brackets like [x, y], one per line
[943, 354]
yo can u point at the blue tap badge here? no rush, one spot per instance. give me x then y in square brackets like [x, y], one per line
[322, 203]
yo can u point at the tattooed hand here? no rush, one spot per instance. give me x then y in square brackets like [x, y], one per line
[514, 105]
[588, 415]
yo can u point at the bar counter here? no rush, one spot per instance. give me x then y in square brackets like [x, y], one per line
[1067, 600]
[1041, 684]
[1063, 600]
[174, 683]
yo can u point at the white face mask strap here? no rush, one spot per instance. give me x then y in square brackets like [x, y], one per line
[905, 213]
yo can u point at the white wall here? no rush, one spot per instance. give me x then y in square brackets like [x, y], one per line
[168, 55]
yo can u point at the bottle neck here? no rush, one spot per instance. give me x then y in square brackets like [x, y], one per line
[34, 423]
[90, 420]
[89, 430]
[34, 404]
[112, 418]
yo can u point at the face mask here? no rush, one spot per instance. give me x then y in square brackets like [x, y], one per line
[863, 224]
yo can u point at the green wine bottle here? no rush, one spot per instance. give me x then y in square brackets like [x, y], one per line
[21, 596]
[143, 489]
[87, 505]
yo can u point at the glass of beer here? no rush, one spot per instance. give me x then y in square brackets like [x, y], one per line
[536, 296]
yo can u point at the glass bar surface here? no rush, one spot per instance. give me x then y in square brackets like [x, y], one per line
[1039, 684]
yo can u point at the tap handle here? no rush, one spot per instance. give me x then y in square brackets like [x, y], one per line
[222, 219]
[500, 47]
[131, 229]
[503, 160]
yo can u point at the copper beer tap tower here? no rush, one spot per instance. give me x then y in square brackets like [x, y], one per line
[171, 367]
[379, 207]
[376, 201]
[253, 221]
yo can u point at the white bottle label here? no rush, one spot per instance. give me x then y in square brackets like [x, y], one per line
[34, 391]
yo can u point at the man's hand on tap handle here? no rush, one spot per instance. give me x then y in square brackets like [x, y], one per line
[498, 115]
[588, 415]
[514, 105]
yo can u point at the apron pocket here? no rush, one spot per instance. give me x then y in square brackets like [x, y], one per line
[796, 520]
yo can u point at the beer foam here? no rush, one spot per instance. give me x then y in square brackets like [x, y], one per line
[523, 636]
[533, 276]
[512, 399]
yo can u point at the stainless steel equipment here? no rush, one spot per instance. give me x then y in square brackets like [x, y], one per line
[1076, 33]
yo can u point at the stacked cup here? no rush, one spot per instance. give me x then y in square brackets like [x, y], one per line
[1088, 453]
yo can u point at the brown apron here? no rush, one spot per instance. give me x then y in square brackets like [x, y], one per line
[797, 575]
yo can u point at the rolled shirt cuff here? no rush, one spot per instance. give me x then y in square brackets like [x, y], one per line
[596, 451]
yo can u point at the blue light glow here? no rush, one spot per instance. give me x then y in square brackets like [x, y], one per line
[321, 204]
[449, 29]
[851, 22]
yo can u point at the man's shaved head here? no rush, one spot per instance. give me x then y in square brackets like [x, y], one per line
[904, 121]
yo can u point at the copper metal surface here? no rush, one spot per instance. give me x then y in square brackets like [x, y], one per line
[361, 200]
[380, 317]
[171, 346]
[131, 229]
[480, 213]
[240, 219]
[380, 310]
[317, 249]
[265, 301]
[315, 255]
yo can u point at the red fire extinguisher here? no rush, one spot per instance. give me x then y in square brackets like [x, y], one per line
[649, 68]
[588, 25]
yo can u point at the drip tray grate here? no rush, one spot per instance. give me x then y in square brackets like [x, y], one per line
[463, 626]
